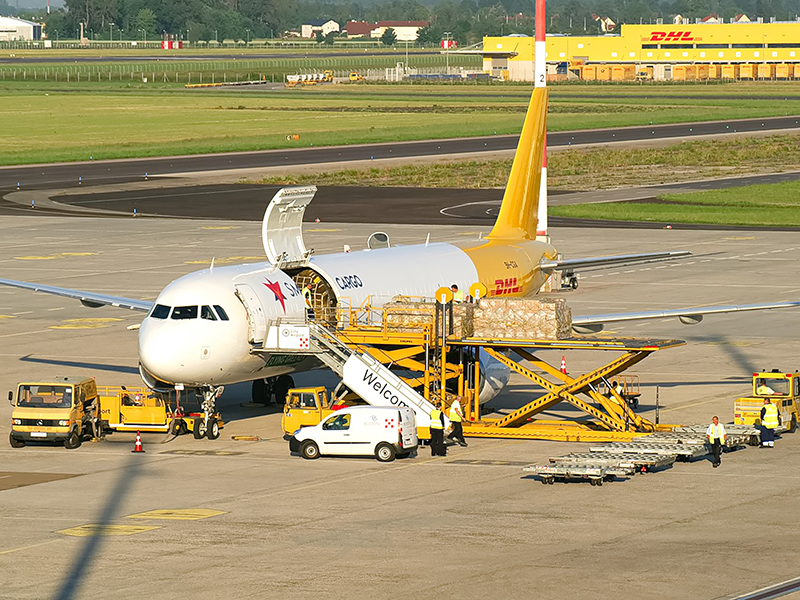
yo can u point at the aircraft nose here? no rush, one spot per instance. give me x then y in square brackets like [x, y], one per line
[161, 353]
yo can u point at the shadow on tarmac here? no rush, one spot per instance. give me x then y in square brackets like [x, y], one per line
[83, 365]
[91, 548]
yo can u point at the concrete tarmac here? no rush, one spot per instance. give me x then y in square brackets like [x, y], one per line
[247, 520]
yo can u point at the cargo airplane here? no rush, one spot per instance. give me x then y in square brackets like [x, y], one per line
[207, 329]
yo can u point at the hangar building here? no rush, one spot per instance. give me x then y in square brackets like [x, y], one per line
[19, 30]
[657, 47]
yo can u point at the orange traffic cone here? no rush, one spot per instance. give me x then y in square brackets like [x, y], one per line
[563, 364]
[138, 446]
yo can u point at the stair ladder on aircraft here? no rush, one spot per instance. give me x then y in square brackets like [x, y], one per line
[375, 383]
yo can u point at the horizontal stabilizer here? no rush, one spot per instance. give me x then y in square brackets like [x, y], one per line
[90, 299]
[608, 261]
[688, 316]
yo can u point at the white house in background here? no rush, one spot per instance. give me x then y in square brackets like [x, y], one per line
[406, 31]
[19, 30]
[326, 26]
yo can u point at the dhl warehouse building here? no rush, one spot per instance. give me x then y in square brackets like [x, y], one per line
[679, 52]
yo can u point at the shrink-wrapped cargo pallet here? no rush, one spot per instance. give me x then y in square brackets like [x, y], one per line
[412, 316]
[494, 318]
[522, 318]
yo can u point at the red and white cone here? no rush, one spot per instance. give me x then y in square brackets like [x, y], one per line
[563, 364]
[138, 446]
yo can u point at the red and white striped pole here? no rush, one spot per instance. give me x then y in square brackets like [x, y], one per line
[540, 80]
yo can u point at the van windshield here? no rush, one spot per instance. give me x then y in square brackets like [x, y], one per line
[44, 396]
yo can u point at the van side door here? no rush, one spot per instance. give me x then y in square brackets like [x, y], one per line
[334, 435]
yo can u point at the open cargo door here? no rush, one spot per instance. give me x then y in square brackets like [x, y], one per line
[282, 228]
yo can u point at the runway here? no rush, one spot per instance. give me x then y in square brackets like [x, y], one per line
[68, 175]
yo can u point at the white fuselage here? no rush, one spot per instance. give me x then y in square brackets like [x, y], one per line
[202, 327]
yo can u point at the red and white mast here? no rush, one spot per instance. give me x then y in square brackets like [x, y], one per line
[540, 80]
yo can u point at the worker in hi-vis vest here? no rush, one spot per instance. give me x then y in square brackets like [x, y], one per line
[456, 417]
[437, 431]
[458, 295]
[770, 419]
[309, 304]
[716, 437]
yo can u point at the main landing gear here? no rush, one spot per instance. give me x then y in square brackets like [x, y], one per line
[264, 389]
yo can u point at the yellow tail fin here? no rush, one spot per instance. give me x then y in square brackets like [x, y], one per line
[518, 212]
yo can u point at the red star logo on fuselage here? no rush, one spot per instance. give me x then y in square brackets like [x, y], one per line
[275, 288]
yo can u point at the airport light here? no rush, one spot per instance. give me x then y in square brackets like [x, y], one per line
[247, 35]
[215, 36]
[111, 31]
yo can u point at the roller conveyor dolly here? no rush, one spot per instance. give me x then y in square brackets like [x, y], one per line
[595, 474]
[637, 461]
[684, 451]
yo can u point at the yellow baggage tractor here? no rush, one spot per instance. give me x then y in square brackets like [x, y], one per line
[782, 389]
[140, 409]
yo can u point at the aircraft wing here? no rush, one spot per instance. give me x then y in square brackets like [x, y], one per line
[608, 261]
[687, 316]
[90, 299]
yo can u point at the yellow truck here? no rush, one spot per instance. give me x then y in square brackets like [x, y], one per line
[782, 389]
[64, 409]
[309, 406]
[75, 409]
[356, 76]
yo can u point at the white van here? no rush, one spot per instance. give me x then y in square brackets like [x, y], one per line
[380, 431]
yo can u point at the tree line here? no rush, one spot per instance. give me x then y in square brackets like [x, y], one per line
[466, 21]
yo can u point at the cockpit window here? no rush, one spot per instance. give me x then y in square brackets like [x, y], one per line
[207, 313]
[221, 312]
[160, 311]
[184, 312]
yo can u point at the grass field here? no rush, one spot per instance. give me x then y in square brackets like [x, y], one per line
[771, 205]
[47, 121]
[578, 169]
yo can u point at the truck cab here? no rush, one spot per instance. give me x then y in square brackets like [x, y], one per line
[780, 388]
[62, 410]
[305, 407]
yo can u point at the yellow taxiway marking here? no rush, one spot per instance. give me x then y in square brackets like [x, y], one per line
[220, 227]
[226, 260]
[738, 238]
[10, 551]
[322, 230]
[98, 323]
[56, 255]
[7, 317]
[96, 529]
[178, 514]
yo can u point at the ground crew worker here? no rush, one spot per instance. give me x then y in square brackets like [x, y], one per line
[437, 431]
[456, 417]
[458, 295]
[770, 419]
[309, 304]
[716, 436]
[763, 389]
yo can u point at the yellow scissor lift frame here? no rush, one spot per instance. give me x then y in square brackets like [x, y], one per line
[607, 418]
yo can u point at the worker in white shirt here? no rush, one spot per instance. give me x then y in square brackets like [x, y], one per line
[456, 417]
[716, 437]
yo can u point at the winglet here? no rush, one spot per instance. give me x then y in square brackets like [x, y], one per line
[518, 212]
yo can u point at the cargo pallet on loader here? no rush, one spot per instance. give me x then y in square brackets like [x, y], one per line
[419, 356]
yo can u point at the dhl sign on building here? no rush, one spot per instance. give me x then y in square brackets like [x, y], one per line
[656, 46]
